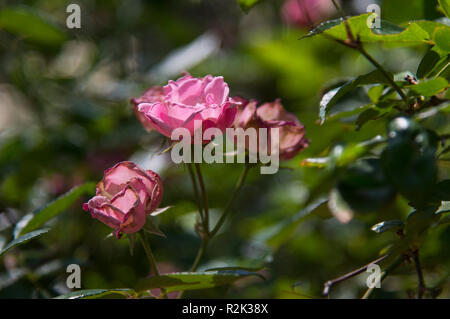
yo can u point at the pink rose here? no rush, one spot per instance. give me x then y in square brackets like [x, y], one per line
[307, 13]
[291, 132]
[124, 197]
[188, 99]
[152, 95]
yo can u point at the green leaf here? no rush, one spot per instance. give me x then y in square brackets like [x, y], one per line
[193, 280]
[31, 25]
[430, 59]
[96, 293]
[445, 5]
[430, 87]
[375, 93]
[330, 98]
[24, 239]
[359, 26]
[429, 26]
[39, 217]
[246, 5]
[442, 38]
[392, 225]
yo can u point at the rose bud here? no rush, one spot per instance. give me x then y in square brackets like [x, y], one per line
[306, 13]
[190, 102]
[152, 95]
[124, 197]
[273, 115]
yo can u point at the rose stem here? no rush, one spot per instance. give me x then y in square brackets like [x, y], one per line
[205, 198]
[205, 239]
[151, 259]
[196, 193]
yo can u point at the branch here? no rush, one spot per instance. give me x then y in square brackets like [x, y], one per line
[329, 283]
[421, 282]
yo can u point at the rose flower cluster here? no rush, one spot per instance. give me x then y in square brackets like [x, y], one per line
[127, 193]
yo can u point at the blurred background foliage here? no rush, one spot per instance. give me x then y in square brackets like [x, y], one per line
[66, 117]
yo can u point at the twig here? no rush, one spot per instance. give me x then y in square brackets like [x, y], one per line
[384, 274]
[421, 282]
[329, 283]
[375, 63]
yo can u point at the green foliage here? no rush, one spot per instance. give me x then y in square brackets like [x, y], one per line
[430, 87]
[193, 281]
[361, 26]
[31, 26]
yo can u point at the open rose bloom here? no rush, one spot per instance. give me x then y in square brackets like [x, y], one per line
[273, 115]
[152, 95]
[187, 103]
[124, 197]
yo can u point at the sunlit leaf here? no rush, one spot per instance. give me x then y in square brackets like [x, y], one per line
[430, 87]
[442, 38]
[359, 26]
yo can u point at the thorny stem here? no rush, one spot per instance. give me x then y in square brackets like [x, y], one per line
[384, 274]
[329, 283]
[151, 259]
